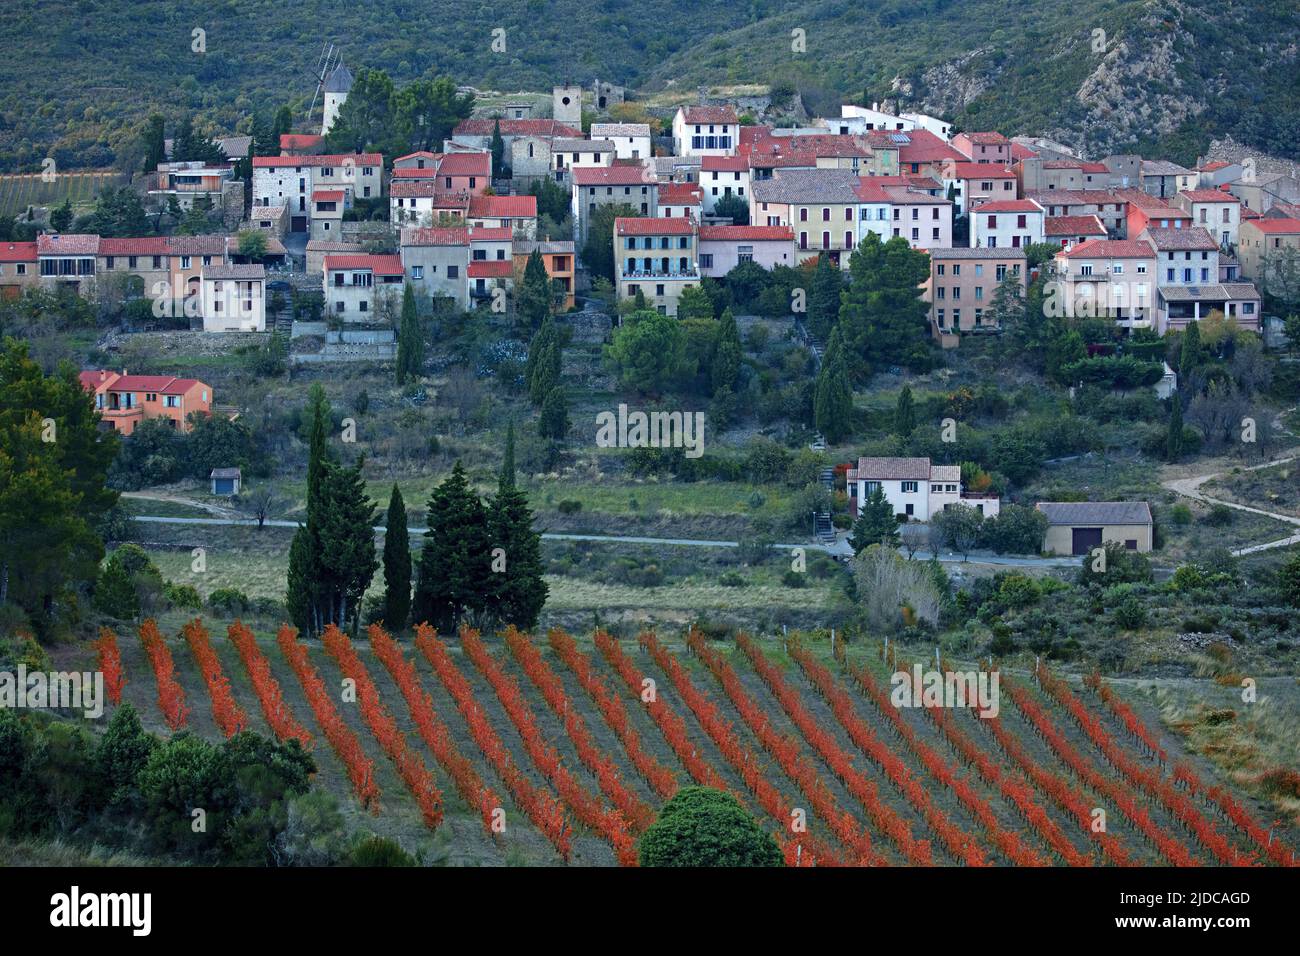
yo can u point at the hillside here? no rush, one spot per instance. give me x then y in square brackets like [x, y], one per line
[1172, 75]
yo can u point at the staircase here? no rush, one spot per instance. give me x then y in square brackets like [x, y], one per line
[823, 528]
[827, 476]
[818, 442]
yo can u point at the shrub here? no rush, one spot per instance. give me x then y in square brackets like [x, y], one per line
[1219, 516]
[1180, 515]
[702, 827]
[1131, 615]
[569, 506]
[794, 579]
[183, 595]
[730, 579]
[229, 601]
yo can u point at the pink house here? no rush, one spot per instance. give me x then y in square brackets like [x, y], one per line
[465, 173]
[722, 248]
[984, 147]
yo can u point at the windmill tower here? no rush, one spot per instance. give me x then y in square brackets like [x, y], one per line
[337, 86]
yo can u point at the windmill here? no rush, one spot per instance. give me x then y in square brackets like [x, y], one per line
[328, 59]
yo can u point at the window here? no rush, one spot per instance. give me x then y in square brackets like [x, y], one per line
[1130, 544]
[939, 316]
[979, 270]
[909, 488]
[453, 272]
[417, 272]
[1000, 272]
[939, 269]
[706, 260]
[870, 486]
[803, 215]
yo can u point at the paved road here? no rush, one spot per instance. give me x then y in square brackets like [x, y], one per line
[1191, 488]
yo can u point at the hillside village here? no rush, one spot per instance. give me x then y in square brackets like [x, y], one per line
[834, 392]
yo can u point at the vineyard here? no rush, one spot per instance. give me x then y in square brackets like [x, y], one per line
[20, 190]
[537, 750]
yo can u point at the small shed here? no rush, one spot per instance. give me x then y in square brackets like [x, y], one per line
[1076, 527]
[226, 481]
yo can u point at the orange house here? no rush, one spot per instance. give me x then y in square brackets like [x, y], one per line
[557, 257]
[123, 401]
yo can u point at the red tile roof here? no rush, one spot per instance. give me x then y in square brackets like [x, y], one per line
[1214, 166]
[1020, 151]
[1101, 168]
[466, 164]
[379, 265]
[92, 379]
[147, 246]
[924, 147]
[414, 188]
[503, 207]
[710, 114]
[1209, 195]
[327, 195]
[74, 244]
[985, 139]
[746, 234]
[661, 226]
[680, 194]
[17, 252]
[613, 176]
[332, 159]
[418, 154]
[1073, 226]
[491, 269]
[300, 140]
[1280, 227]
[980, 171]
[1008, 205]
[515, 127]
[1110, 249]
[730, 164]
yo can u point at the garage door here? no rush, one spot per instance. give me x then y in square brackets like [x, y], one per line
[299, 224]
[1085, 539]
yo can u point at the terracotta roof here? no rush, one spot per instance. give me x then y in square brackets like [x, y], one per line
[379, 265]
[300, 140]
[515, 127]
[1095, 512]
[1019, 151]
[146, 246]
[869, 190]
[683, 194]
[1209, 195]
[1073, 226]
[503, 207]
[166, 384]
[1101, 168]
[1213, 166]
[332, 159]
[980, 171]
[418, 154]
[415, 188]
[612, 176]
[67, 244]
[1008, 205]
[490, 234]
[17, 252]
[985, 139]
[465, 164]
[491, 268]
[649, 226]
[436, 236]
[746, 234]
[1181, 239]
[710, 114]
[327, 195]
[1276, 226]
[922, 146]
[1110, 249]
[732, 164]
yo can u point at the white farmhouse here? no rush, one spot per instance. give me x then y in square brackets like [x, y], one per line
[916, 489]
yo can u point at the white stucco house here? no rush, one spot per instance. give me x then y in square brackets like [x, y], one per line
[916, 488]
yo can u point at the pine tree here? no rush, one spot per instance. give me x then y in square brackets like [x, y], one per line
[553, 422]
[727, 356]
[452, 578]
[832, 397]
[885, 321]
[115, 592]
[506, 482]
[1174, 440]
[397, 565]
[876, 523]
[904, 414]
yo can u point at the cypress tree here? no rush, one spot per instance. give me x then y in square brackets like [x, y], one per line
[498, 147]
[300, 586]
[452, 578]
[506, 482]
[1191, 355]
[304, 582]
[533, 300]
[553, 422]
[397, 565]
[876, 523]
[832, 398]
[727, 357]
[410, 339]
[346, 538]
[546, 374]
[1174, 440]
[904, 414]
